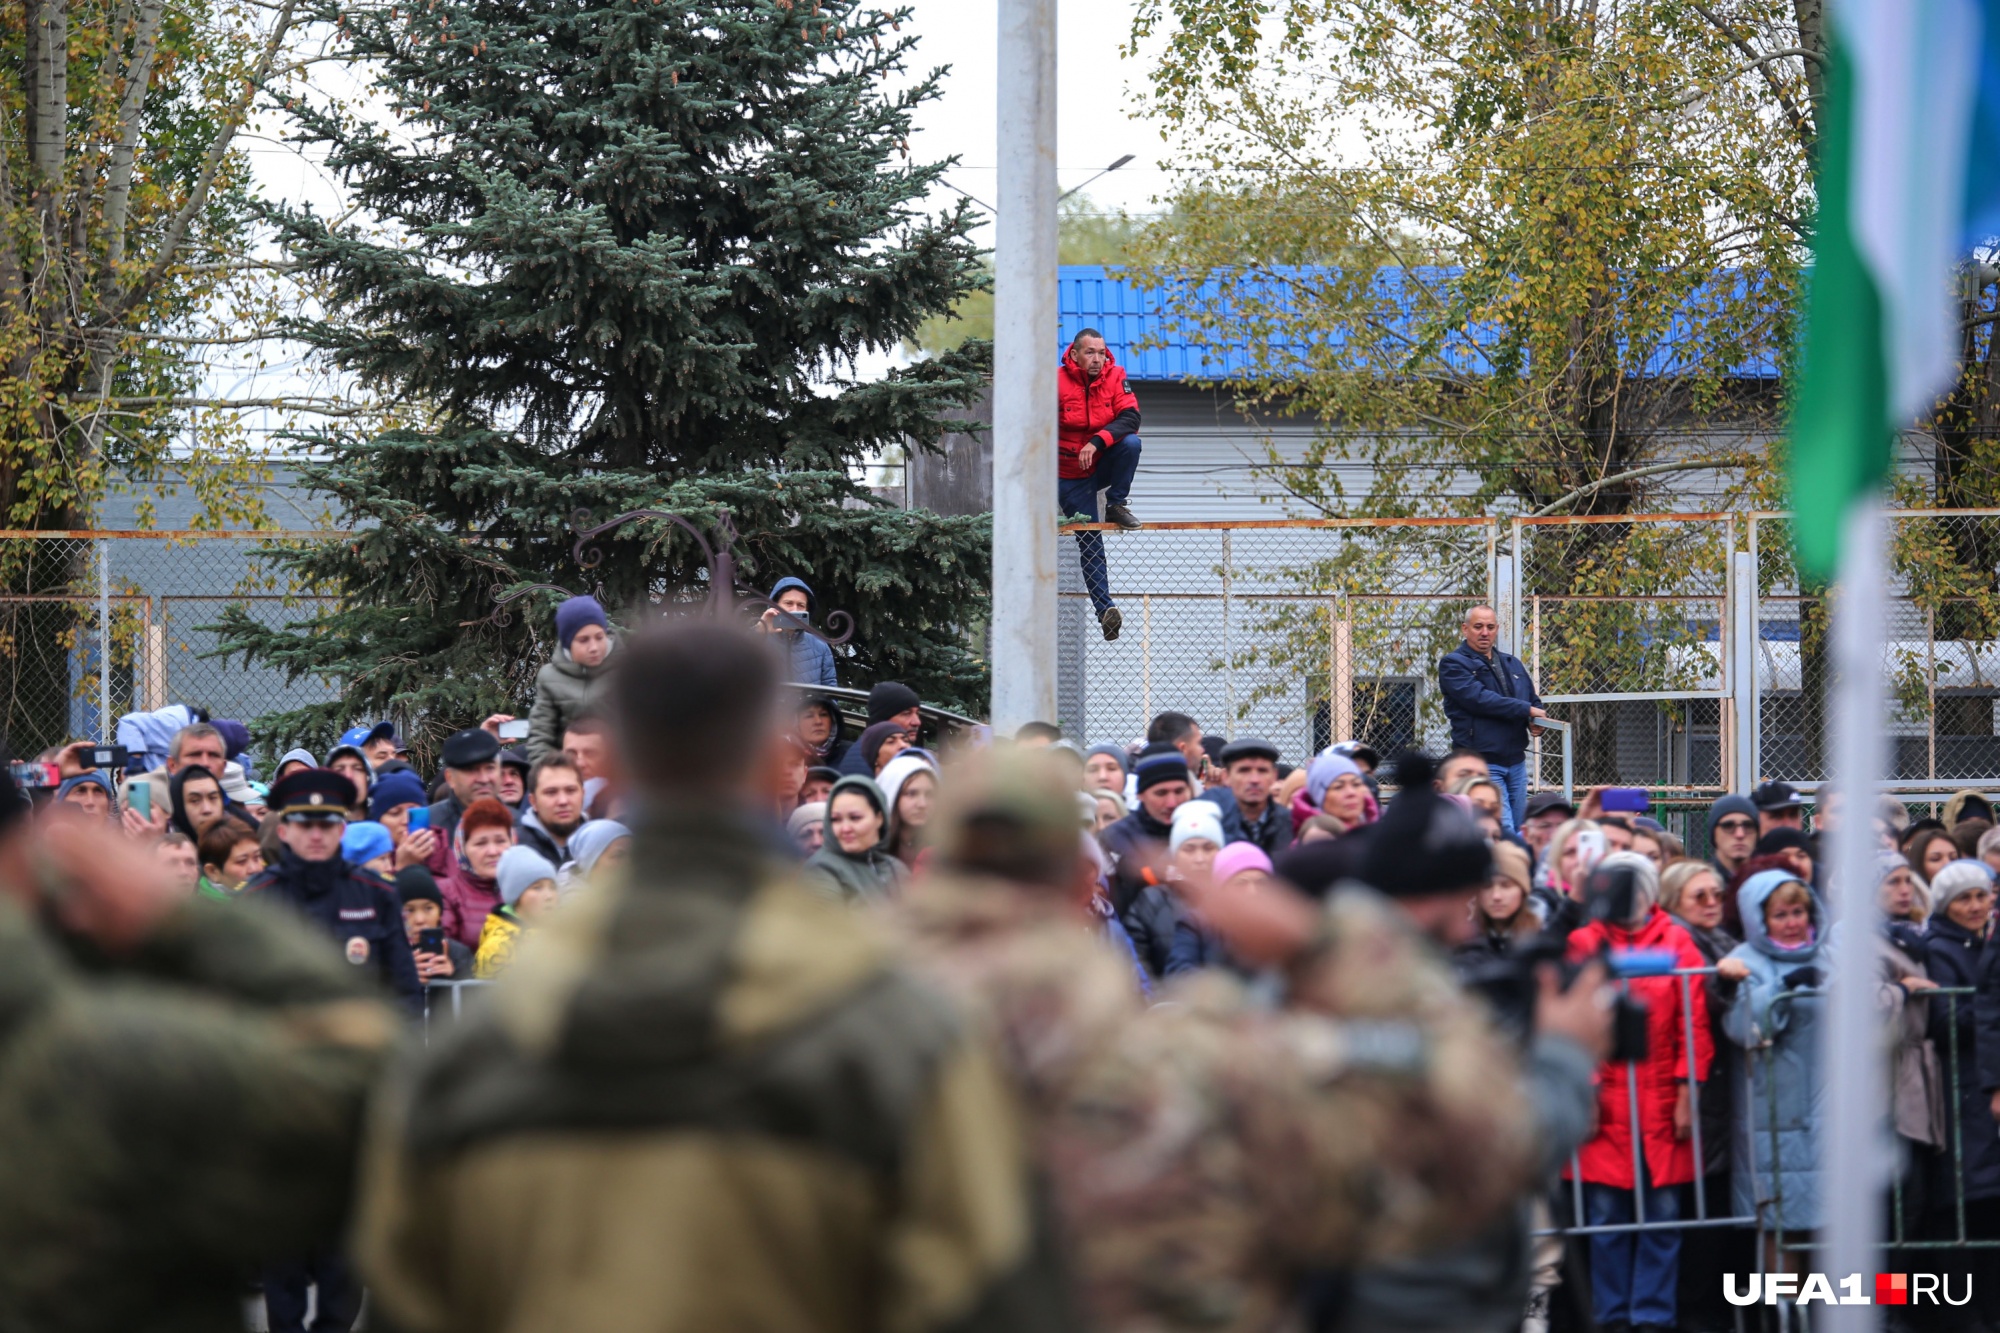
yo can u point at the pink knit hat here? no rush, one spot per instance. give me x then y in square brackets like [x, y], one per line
[1238, 857]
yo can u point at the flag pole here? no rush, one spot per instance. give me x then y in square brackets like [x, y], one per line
[1856, 1160]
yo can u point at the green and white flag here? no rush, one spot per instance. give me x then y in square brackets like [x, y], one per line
[1909, 178]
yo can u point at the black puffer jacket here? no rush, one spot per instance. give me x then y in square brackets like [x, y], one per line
[1137, 845]
[1150, 921]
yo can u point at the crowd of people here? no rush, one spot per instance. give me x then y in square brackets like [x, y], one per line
[922, 1029]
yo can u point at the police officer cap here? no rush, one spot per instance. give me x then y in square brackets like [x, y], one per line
[1248, 748]
[312, 791]
[470, 748]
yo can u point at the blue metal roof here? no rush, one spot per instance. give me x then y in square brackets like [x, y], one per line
[1092, 296]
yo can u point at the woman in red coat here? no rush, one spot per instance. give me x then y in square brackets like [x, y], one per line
[1633, 1273]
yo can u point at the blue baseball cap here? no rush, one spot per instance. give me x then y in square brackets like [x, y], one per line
[363, 734]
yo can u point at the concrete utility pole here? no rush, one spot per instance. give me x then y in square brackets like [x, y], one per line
[1024, 371]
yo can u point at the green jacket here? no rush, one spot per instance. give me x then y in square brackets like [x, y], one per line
[563, 689]
[873, 876]
[704, 1099]
[173, 1120]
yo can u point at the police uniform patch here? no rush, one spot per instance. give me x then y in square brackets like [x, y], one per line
[357, 914]
[357, 950]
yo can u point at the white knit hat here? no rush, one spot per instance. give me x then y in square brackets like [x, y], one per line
[1956, 880]
[1196, 819]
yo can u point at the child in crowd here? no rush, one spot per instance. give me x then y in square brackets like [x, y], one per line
[527, 890]
[368, 846]
[439, 957]
[573, 678]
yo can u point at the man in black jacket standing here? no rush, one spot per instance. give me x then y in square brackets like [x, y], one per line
[1137, 844]
[366, 921]
[1493, 708]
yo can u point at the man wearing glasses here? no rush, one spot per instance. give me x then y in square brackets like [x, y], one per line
[1732, 833]
[359, 911]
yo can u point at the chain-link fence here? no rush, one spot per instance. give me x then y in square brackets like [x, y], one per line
[1245, 626]
[1623, 625]
[1680, 647]
[108, 623]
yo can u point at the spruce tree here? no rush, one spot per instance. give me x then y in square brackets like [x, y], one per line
[613, 255]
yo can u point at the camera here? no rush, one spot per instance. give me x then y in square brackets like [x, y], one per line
[1510, 986]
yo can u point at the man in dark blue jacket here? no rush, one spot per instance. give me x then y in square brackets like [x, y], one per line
[1493, 707]
[808, 658]
[365, 919]
[1137, 844]
[358, 910]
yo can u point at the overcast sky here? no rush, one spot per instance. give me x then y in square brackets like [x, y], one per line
[1094, 128]
[1094, 86]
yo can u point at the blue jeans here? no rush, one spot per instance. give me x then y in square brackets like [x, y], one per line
[1077, 498]
[1632, 1273]
[1513, 780]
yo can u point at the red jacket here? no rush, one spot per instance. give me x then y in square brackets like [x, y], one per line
[1103, 410]
[1607, 1158]
[467, 901]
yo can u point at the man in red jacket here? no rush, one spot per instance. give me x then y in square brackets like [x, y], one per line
[1096, 450]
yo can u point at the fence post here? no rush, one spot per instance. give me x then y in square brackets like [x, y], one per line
[1742, 655]
[105, 731]
[1340, 672]
[1145, 661]
[1228, 657]
[1507, 597]
[1930, 692]
[156, 655]
[1752, 596]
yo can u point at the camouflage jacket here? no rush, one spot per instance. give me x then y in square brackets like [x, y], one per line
[172, 1121]
[1203, 1154]
[704, 1098]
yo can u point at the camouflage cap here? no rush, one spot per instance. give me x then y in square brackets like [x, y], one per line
[1009, 814]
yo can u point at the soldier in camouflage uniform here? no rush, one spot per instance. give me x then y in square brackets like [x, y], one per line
[1204, 1154]
[704, 1099]
[181, 1088]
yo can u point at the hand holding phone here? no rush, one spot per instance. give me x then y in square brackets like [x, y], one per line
[1625, 801]
[516, 730]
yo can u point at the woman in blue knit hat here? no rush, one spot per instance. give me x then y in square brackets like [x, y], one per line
[573, 678]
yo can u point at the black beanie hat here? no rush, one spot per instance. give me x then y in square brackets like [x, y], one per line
[1161, 762]
[415, 884]
[890, 698]
[1424, 844]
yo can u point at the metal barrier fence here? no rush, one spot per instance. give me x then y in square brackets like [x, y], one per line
[1681, 648]
[1904, 1232]
[447, 1000]
[97, 624]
